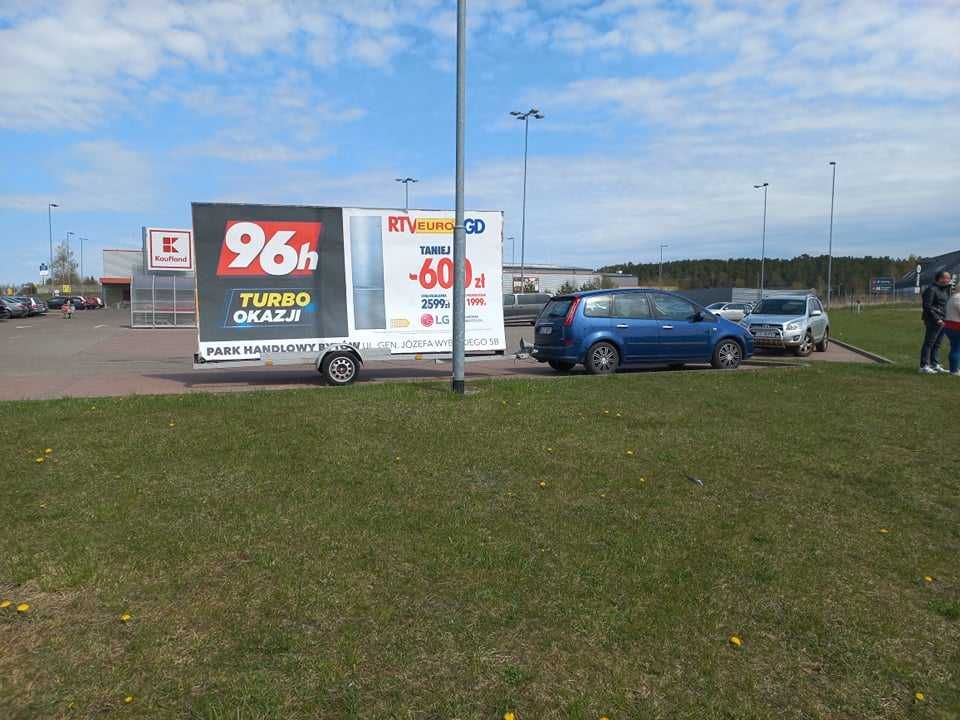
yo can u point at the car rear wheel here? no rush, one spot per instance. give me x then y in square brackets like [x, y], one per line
[805, 347]
[824, 341]
[340, 368]
[727, 355]
[561, 365]
[602, 359]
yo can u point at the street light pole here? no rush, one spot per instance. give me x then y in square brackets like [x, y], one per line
[50, 207]
[763, 238]
[81, 260]
[525, 116]
[660, 274]
[69, 264]
[833, 190]
[513, 249]
[459, 232]
[406, 191]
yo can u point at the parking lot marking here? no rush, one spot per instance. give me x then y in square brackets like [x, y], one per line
[97, 327]
[23, 327]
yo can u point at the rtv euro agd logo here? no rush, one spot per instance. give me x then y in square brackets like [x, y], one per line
[432, 226]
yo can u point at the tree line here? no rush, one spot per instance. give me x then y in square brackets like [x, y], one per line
[851, 275]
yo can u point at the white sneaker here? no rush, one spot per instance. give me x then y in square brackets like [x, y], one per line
[927, 370]
[955, 374]
[940, 369]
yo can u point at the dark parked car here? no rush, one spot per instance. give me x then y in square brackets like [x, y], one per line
[4, 311]
[17, 310]
[604, 329]
[55, 303]
[523, 308]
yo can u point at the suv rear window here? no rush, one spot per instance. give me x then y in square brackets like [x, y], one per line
[556, 308]
[597, 305]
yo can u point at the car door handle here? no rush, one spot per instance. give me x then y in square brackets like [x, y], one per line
[622, 325]
[666, 327]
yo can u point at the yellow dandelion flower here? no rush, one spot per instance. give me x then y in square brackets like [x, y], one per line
[509, 716]
[126, 617]
[604, 717]
[629, 452]
[883, 531]
[643, 479]
[41, 459]
[606, 412]
[503, 402]
[603, 495]
[927, 578]
[919, 696]
[48, 451]
[549, 449]
[172, 424]
[543, 483]
[4, 604]
[619, 415]
[22, 608]
[397, 459]
[128, 699]
[735, 641]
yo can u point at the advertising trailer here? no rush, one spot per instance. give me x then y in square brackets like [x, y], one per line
[334, 287]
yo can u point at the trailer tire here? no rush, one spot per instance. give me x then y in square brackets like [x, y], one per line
[340, 367]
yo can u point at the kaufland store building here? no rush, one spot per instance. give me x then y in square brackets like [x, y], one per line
[155, 282]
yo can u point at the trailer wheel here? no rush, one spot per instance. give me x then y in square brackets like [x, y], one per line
[340, 368]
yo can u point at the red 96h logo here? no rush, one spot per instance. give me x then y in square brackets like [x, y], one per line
[269, 248]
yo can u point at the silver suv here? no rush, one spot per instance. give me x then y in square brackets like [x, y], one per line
[790, 322]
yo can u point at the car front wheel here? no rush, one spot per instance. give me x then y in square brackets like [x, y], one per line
[602, 359]
[805, 347]
[727, 355]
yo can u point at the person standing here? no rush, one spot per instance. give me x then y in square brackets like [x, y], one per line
[951, 327]
[935, 299]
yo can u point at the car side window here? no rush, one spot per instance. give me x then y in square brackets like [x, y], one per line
[597, 306]
[817, 305]
[631, 305]
[673, 308]
[507, 299]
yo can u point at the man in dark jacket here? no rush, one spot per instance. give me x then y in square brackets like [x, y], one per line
[934, 311]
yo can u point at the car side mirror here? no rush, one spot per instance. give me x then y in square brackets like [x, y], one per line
[816, 313]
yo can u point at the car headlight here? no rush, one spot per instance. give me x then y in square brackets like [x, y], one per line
[794, 326]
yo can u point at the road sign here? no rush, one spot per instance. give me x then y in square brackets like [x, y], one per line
[66, 289]
[882, 285]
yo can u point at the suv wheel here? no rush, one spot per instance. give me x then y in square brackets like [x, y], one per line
[602, 359]
[824, 341]
[727, 355]
[805, 347]
[560, 365]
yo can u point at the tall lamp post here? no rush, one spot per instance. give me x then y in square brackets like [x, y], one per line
[69, 265]
[459, 232]
[513, 249]
[525, 116]
[50, 207]
[660, 273]
[833, 190]
[763, 238]
[406, 190]
[81, 259]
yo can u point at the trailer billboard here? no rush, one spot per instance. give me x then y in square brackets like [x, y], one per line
[274, 279]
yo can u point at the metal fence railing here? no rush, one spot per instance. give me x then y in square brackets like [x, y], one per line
[162, 301]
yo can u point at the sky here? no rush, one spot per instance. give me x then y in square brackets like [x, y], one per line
[660, 116]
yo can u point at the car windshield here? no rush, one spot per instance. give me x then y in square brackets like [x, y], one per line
[556, 308]
[781, 306]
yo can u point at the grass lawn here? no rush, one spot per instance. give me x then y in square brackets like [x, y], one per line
[894, 331]
[388, 551]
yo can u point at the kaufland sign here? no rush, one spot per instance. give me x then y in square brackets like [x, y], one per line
[168, 249]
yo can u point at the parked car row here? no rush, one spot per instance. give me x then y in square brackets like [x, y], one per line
[605, 329]
[20, 306]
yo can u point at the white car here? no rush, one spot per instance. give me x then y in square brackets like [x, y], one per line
[734, 312]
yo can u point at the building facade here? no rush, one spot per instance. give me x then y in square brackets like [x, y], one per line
[550, 278]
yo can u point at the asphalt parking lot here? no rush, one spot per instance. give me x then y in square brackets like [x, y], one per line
[98, 354]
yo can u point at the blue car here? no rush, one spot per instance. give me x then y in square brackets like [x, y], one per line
[604, 329]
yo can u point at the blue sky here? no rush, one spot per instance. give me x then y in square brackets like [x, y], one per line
[660, 116]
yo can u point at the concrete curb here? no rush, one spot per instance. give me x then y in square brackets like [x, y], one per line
[865, 353]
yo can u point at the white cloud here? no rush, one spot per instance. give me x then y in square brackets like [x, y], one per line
[96, 175]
